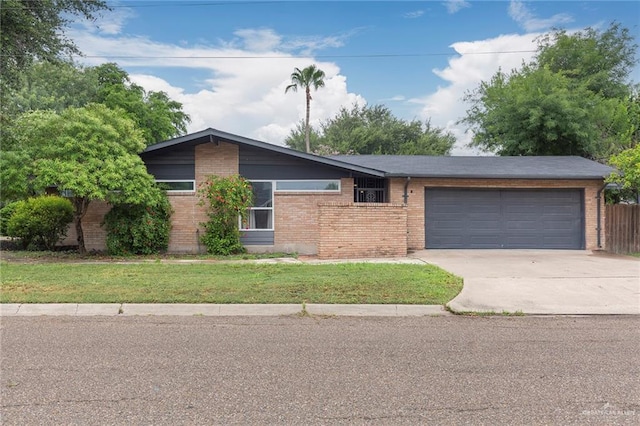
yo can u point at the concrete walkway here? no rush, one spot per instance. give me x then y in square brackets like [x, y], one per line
[560, 282]
[181, 309]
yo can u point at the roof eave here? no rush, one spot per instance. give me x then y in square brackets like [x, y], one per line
[511, 176]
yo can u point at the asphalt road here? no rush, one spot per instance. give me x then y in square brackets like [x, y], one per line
[292, 370]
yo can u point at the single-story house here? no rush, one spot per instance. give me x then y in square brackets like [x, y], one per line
[378, 205]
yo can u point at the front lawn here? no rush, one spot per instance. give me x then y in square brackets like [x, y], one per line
[226, 283]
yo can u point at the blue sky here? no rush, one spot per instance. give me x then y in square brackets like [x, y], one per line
[228, 62]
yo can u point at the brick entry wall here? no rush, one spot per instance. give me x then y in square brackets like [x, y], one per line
[353, 230]
[297, 226]
[415, 207]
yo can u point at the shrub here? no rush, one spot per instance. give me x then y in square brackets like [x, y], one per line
[139, 228]
[228, 199]
[5, 213]
[40, 222]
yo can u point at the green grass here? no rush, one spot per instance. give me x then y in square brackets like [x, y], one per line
[226, 283]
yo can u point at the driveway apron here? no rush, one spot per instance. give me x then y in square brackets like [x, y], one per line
[541, 281]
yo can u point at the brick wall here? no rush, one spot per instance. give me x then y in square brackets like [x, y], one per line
[296, 217]
[357, 230]
[211, 159]
[415, 208]
[94, 234]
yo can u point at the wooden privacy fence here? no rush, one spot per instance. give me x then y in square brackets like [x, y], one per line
[622, 228]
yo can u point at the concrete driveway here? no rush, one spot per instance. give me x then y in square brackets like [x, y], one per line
[541, 281]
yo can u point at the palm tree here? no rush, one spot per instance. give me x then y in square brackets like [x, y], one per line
[307, 77]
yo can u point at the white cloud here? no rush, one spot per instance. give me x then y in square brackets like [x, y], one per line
[520, 13]
[309, 44]
[110, 23]
[259, 40]
[414, 14]
[242, 96]
[464, 72]
[396, 98]
[454, 6]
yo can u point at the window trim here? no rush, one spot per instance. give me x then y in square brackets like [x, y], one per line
[193, 181]
[327, 191]
[272, 209]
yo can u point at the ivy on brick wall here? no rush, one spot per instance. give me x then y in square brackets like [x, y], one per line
[226, 199]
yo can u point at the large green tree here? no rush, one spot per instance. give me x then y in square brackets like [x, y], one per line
[574, 98]
[60, 85]
[34, 30]
[627, 175]
[305, 79]
[91, 153]
[374, 130]
[599, 60]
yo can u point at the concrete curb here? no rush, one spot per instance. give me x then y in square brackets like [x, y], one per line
[459, 308]
[182, 309]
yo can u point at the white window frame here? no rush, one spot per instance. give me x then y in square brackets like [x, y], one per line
[193, 181]
[328, 181]
[272, 209]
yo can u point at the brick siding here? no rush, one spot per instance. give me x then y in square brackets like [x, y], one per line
[415, 207]
[94, 234]
[296, 217]
[357, 230]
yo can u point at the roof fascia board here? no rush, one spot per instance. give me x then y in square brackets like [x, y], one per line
[472, 176]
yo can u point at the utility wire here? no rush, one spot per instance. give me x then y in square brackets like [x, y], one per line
[372, 55]
[192, 3]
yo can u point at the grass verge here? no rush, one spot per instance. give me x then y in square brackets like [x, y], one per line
[226, 283]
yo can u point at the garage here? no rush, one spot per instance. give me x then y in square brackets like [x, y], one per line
[473, 218]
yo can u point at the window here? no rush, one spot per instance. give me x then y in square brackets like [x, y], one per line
[260, 216]
[332, 185]
[178, 185]
[369, 190]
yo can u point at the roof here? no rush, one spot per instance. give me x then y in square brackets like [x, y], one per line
[524, 167]
[212, 135]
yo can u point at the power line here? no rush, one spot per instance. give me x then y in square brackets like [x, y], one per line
[150, 4]
[366, 55]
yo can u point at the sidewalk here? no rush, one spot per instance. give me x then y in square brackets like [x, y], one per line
[181, 309]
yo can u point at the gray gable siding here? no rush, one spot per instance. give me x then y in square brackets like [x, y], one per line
[267, 165]
[172, 164]
[257, 238]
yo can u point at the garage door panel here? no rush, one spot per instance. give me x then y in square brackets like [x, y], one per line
[560, 210]
[523, 225]
[560, 225]
[483, 225]
[523, 209]
[447, 224]
[504, 218]
[483, 241]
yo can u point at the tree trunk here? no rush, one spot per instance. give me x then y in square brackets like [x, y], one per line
[307, 129]
[80, 205]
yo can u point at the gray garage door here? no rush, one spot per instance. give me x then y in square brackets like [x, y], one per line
[505, 218]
